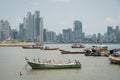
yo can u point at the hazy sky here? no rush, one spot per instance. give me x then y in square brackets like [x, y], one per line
[95, 15]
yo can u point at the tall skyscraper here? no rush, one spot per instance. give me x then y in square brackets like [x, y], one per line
[37, 25]
[77, 31]
[21, 32]
[1, 31]
[45, 35]
[41, 29]
[29, 27]
[110, 30]
[117, 33]
[111, 34]
[4, 30]
[33, 25]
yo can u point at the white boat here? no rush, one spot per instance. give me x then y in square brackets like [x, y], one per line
[115, 58]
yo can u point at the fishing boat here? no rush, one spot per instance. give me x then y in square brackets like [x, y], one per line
[35, 65]
[90, 53]
[51, 48]
[115, 58]
[77, 45]
[101, 50]
[71, 52]
[33, 47]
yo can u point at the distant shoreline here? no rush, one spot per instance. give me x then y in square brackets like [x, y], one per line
[14, 44]
[8, 44]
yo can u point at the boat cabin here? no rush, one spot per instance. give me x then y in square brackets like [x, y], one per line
[103, 49]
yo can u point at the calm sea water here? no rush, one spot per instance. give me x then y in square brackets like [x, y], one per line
[93, 68]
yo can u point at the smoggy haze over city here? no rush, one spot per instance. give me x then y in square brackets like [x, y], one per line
[95, 15]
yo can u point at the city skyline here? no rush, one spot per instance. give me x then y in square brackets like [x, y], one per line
[60, 14]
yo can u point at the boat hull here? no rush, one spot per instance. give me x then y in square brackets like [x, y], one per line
[51, 48]
[53, 66]
[32, 47]
[77, 47]
[114, 60]
[69, 52]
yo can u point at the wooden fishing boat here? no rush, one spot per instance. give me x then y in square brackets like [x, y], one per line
[101, 50]
[90, 53]
[54, 65]
[51, 48]
[114, 59]
[33, 47]
[71, 52]
[77, 46]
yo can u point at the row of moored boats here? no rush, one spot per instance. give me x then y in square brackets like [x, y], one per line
[102, 50]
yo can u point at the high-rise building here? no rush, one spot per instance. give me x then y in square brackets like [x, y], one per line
[37, 25]
[41, 29]
[4, 30]
[105, 37]
[59, 38]
[1, 31]
[14, 34]
[110, 30]
[99, 37]
[110, 33]
[94, 38]
[67, 35]
[21, 31]
[45, 35]
[33, 25]
[117, 34]
[28, 27]
[50, 36]
[24, 26]
[77, 31]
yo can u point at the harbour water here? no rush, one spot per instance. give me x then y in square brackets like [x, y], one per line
[12, 62]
